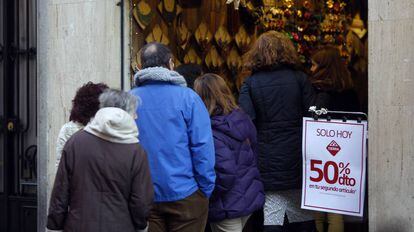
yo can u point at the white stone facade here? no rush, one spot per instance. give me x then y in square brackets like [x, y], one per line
[78, 41]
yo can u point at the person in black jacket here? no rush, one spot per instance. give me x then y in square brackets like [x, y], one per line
[334, 90]
[332, 81]
[276, 96]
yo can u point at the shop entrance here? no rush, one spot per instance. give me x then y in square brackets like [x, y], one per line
[215, 35]
[18, 122]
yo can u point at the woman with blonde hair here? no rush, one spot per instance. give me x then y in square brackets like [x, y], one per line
[238, 191]
[276, 96]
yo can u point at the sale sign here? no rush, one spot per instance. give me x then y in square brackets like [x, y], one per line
[334, 164]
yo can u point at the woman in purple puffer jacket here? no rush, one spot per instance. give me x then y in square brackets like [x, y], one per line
[239, 190]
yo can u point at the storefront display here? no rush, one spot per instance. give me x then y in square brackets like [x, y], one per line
[216, 33]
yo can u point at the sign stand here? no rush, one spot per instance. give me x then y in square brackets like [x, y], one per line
[334, 161]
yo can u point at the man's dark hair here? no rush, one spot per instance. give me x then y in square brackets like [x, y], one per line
[155, 55]
[190, 72]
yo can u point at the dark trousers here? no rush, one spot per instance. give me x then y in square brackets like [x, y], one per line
[187, 215]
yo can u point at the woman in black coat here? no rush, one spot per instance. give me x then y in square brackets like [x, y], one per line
[276, 96]
[332, 81]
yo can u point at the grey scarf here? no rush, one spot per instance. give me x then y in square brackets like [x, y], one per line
[159, 74]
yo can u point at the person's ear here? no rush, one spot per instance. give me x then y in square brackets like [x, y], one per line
[171, 64]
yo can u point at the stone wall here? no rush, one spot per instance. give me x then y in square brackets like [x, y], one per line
[391, 114]
[78, 41]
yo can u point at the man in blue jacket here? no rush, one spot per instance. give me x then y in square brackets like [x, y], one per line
[175, 131]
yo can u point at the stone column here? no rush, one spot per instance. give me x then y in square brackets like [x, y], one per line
[391, 115]
[78, 41]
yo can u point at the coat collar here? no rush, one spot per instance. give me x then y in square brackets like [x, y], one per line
[159, 74]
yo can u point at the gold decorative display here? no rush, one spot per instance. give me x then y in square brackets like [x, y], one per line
[183, 35]
[234, 61]
[143, 14]
[242, 39]
[223, 38]
[203, 36]
[192, 58]
[213, 60]
[169, 9]
[157, 35]
[202, 32]
[358, 27]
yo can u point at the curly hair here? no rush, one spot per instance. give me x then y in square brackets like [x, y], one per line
[272, 49]
[86, 102]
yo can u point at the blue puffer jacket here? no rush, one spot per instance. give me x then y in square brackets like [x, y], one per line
[175, 131]
[239, 190]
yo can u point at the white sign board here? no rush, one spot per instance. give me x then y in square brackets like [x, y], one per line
[334, 164]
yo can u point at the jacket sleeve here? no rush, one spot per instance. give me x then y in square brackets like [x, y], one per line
[308, 95]
[245, 100]
[253, 138]
[60, 198]
[60, 143]
[225, 167]
[201, 145]
[142, 192]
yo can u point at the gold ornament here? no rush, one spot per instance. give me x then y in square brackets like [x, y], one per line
[234, 60]
[192, 58]
[203, 36]
[143, 14]
[223, 37]
[330, 4]
[213, 60]
[157, 36]
[242, 39]
[184, 35]
[288, 3]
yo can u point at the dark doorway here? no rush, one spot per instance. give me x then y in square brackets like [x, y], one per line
[18, 127]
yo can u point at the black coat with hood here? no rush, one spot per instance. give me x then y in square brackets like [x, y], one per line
[276, 100]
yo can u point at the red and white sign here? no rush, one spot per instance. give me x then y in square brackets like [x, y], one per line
[334, 164]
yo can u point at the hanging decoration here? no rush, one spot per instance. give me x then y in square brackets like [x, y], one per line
[234, 61]
[357, 26]
[203, 36]
[223, 38]
[184, 35]
[143, 14]
[192, 58]
[213, 61]
[157, 35]
[242, 39]
[169, 10]
[213, 42]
